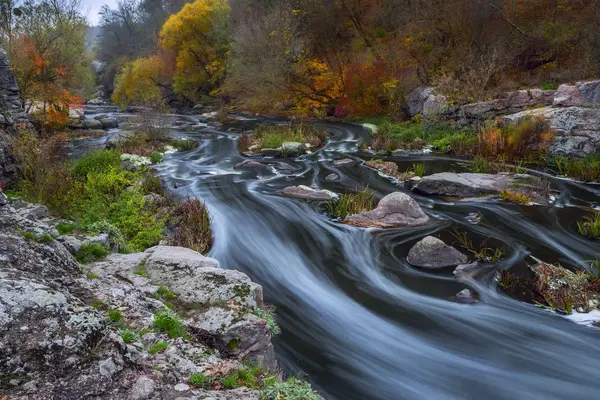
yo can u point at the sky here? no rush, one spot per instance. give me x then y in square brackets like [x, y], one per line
[91, 8]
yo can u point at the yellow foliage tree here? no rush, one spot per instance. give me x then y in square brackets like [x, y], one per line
[199, 38]
[139, 82]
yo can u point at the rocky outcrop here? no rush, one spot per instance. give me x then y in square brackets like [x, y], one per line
[580, 94]
[472, 185]
[577, 129]
[71, 331]
[432, 253]
[394, 210]
[427, 102]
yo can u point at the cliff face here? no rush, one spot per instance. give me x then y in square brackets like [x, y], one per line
[11, 112]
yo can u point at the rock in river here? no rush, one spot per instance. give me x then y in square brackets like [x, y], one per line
[473, 185]
[394, 210]
[433, 253]
[306, 193]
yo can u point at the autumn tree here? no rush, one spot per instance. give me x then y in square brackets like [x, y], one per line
[198, 36]
[45, 43]
[142, 82]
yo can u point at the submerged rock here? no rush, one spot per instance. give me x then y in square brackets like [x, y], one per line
[465, 272]
[472, 185]
[432, 253]
[345, 162]
[267, 152]
[332, 177]
[394, 210]
[307, 193]
[249, 164]
[466, 296]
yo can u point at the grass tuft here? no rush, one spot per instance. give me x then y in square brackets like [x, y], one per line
[64, 228]
[352, 203]
[268, 316]
[184, 145]
[170, 322]
[590, 227]
[198, 379]
[129, 336]
[192, 226]
[91, 252]
[158, 348]
[515, 197]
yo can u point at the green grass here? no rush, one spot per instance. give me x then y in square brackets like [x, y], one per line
[184, 145]
[114, 315]
[98, 305]
[156, 157]
[129, 336]
[418, 169]
[352, 203]
[170, 322]
[590, 227]
[91, 252]
[140, 270]
[44, 238]
[91, 275]
[198, 379]
[164, 293]
[273, 136]
[268, 316]
[549, 86]
[250, 376]
[291, 389]
[584, 169]
[64, 228]
[158, 348]
[96, 162]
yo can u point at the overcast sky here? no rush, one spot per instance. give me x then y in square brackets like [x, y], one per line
[92, 8]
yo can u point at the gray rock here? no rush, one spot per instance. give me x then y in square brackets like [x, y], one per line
[235, 333]
[466, 272]
[108, 367]
[91, 124]
[293, 149]
[3, 198]
[345, 162]
[306, 193]
[580, 94]
[332, 177]
[196, 279]
[249, 164]
[121, 136]
[426, 102]
[510, 102]
[267, 152]
[466, 296]
[143, 388]
[471, 185]
[577, 129]
[394, 210]
[109, 123]
[432, 253]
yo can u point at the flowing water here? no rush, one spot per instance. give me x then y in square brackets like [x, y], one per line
[357, 319]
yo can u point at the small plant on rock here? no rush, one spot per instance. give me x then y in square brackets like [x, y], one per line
[515, 197]
[129, 336]
[158, 348]
[268, 316]
[114, 315]
[64, 228]
[192, 226]
[590, 227]
[170, 322]
[91, 252]
[352, 203]
[292, 389]
[198, 379]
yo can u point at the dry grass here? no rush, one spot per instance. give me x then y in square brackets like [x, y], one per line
[273, 136]
[515, 197]
[191, 223]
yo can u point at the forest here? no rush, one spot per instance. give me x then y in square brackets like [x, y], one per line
[297, 57]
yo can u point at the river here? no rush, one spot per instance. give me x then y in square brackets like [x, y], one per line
[357, 319]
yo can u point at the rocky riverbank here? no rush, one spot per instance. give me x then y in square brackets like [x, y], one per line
[167, 323]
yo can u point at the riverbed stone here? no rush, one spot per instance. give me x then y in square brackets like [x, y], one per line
[345, 162]
[293, 149]
[109, 123]
[472, 185]
[466, 296]
[3, 199]
[307, 193]
[332, 177]
[433, 253]
[268, 152]
[249, 164]
[394, 210]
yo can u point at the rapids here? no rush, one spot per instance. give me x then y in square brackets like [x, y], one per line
[357, 319]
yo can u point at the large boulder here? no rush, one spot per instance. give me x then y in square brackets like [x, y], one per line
[293, 149]
[577, 129]
[119, 137]
[580, 94]
[432, 253]
[109, 123]
[471, 185]
[198, 280]
[234, 333]
[426, 102]
[394, 210]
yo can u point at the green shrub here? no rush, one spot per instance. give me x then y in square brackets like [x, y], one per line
[170, 322]
[31, 236]
[158, 348]
[116, 239]
[268, 316]
[352, 204]
[292, 389]
[45, 238]
[129, 336]
[91, 252]
[96, 162]
[156, 157]
[64, 228]
[198, 379]
[184, 145]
